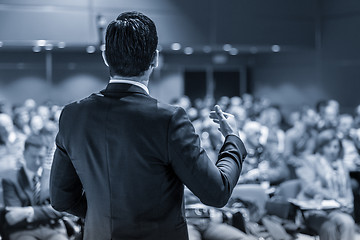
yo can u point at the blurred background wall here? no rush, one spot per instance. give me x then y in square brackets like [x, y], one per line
[293, 52]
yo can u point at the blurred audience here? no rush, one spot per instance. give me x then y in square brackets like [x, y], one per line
[324, 176]
[29, 214]
[263, 163]
[206, 223]
[276, 152]
[300, 140]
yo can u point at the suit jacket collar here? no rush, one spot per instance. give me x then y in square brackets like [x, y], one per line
[120, 89]
[25, 184]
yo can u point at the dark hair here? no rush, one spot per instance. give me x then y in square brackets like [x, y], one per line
[35, 141]
[131, 42]
[324, 138]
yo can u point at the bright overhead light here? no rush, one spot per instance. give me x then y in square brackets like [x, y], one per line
[61, 45]
[90, 49]
[176, 46]
[48, 47]
[227, 47]
[102, 47]
[36, 49]
[233, 51]
[1, 44]
[188, 50]
[275, 48]
[41, 43]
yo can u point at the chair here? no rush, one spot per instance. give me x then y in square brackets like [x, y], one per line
[281, 207]
[251, 192]
[3, 233]
[256, 194]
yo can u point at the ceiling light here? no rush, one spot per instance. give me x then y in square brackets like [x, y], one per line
[275, 48]
[48, 47]
[188, 50]
[41, 43]
[176, 46]
[61, 45]
[233, 51]
[36, 49]
[102, 47]
[227, 47]
[90, 49]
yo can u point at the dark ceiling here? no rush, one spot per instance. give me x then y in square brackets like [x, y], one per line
[248, 25]
[241, 23]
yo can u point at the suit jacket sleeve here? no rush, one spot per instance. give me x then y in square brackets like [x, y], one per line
[212, 183]
[66, 190]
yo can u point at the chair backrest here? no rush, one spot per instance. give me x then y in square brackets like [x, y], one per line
[251, 192]
[289, 189]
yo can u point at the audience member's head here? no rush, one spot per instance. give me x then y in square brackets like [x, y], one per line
[240, 115]
[7, 123]
[223, 102]
[235, 101]
[34, 152]
[330, 116]
[252, 131]
[329, 145]
[309, 117]
[270, 117]
[346, 122]
[357, 110]
[320, 106]
[36, 124]
[44, 112]
[21, 117]
[131, 42]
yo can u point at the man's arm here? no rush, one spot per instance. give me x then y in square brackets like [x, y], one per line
[212, 183]
[66, 191]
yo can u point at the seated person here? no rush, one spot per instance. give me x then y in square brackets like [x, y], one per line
[29, 214]
[202, 224]
[324, 176]
[300, 140]
[263, 163]
[350, 141]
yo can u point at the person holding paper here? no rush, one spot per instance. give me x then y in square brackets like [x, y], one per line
[324, 177]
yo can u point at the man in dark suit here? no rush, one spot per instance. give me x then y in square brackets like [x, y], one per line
[29, 215]
[122, 157]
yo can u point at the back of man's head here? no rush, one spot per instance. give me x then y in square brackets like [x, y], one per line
[131, 42]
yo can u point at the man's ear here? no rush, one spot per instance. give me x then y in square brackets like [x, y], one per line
[155, 61]
[104, 58]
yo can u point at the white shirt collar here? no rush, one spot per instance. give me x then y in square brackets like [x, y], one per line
[139, 84]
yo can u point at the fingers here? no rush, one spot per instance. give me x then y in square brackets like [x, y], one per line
[219, 112]
[216, 121]
[213, 115]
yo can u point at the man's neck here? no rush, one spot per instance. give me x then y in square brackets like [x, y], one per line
[141, 79]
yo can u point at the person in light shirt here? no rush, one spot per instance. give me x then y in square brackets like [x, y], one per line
[324, 176]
